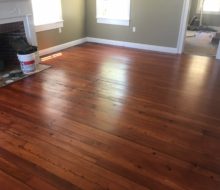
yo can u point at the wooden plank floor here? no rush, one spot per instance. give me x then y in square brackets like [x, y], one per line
[110, 118]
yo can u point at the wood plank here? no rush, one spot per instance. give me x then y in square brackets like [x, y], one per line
[106, 117]
[8, 183]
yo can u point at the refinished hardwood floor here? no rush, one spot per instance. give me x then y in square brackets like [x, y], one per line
[110, 118]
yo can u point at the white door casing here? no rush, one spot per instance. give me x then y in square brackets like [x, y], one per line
[183, 25]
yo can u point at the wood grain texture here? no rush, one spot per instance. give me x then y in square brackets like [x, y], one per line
[111, 118]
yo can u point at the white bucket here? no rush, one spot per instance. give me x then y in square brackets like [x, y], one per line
[28, 62]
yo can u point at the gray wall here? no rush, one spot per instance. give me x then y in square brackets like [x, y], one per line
[157, 23]
[74, 25]
[208, 19]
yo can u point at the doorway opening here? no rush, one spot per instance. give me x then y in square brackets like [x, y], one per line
[200, 28]
[203, 31]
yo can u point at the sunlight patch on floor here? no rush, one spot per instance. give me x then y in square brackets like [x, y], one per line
[51, 57]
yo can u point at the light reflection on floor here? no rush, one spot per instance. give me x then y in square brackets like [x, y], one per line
[110, 72]
[195, 77]
[43, 59]
[48, 90]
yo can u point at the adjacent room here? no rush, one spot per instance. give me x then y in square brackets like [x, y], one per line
[100, 95]
[203, 31]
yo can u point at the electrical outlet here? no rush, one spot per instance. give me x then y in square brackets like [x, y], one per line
[134, 29]
[60, 30]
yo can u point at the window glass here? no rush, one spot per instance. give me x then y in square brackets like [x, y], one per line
[46, 11]
[113, 11]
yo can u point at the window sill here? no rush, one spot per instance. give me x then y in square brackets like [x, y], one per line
[49, 26]
[209, 13]
[113, 21]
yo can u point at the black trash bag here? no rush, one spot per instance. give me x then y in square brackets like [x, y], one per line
[21, 46]
[2, 65]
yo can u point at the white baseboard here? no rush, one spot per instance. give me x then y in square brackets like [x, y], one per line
[134, 45]
[61, 47]
[215, 27]
[109, 42]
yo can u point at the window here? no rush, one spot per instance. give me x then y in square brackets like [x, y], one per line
[113, 12]
[47, 14]
[209, 6]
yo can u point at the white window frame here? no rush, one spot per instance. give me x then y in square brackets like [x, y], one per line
[52, 25]
[199, 7]
[106, 20]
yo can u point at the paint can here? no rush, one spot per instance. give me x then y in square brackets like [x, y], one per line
[27, 62]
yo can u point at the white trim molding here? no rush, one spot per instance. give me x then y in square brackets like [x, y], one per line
[217, 28]
[183, 26]
[114, 43]
[108, 42]
[113, 21]
[133, 45]
[61, 47]
[50, 26]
